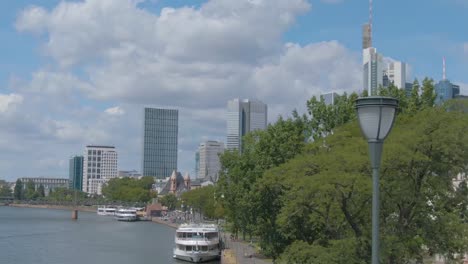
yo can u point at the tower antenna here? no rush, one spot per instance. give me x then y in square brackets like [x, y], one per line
[444, 76]
[370, 22]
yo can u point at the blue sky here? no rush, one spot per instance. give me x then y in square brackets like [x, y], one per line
[79, 72]
[419, 34]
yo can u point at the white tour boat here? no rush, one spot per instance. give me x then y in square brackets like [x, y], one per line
[197, 242]
[128, 214]
[106, 211]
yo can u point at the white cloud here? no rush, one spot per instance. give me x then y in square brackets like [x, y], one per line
[34, 19]
[115, 111]
[332, 1]
[9, 101]
[465, 49]
[112, 52]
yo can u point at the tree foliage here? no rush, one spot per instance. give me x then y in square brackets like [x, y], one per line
[314, 202]
[62, 194]
[261, 150]
[202, 200]
[18, 192]
[30, 191]
[129, 189]
[5, 190]
[170, 201]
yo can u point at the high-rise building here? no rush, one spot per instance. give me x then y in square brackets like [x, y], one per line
[160, 142]
[396, 73]
[329, 98]
[244, 116]
[197, 162]
[99, 166]
[209, 164]
[372, 70]
[76, 173]
[445, 90]
[366, 36]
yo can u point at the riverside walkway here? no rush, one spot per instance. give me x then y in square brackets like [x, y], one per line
[240, 252]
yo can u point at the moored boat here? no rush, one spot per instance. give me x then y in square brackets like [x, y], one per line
[126, 214]
[106, 210]
[197, 242]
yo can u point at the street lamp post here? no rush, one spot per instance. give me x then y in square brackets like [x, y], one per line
[376, 115]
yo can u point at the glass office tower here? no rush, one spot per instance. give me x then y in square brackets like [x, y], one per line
[76, 173]
[160, 142]
[244, 116]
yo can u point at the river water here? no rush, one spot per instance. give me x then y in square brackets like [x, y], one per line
[46, 236]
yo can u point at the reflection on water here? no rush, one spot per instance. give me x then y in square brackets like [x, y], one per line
[43, 236]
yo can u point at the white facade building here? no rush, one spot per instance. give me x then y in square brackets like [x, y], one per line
[373, 67]
[244, 116]
[99, 166]
[209, 164]
[396, 73]
[48, 183]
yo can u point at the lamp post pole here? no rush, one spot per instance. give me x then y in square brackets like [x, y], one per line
[375, 151]
[376, 115]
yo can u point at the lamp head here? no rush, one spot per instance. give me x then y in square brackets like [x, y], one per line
[376, 115]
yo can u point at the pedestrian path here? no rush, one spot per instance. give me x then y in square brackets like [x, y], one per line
[240, 252]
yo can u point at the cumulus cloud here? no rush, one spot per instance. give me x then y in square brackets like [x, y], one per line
[195, 59]
[332, 1]
[465, 49]
[115, 111]
[9, 101]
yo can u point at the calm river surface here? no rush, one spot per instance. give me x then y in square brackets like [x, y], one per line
[45, 236]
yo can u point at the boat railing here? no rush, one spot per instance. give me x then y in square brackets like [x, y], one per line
[198, 238]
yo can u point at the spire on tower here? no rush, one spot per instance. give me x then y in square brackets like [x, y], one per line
[444, 76]
[370, 22]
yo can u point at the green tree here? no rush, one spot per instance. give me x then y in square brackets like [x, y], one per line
[324, 118]
[30, 193]
[5, 190]
[18, 192]
[261, 150]
[428, 94]
[129, 189]
[323, 197]
[170, 201]
[41, 191]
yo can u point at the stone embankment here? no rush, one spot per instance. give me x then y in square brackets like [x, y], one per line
[160, 221]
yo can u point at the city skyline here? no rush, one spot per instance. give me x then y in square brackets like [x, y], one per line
[65, 84]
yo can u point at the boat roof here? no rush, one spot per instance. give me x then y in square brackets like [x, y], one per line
[198, 227]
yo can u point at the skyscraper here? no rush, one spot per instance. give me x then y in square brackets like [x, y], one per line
[160, 142]
[76, 173]
[366, 36]
[99, 166]
[244, 116]
[372, 70]
[444, 89]
[209, 164]
[329, 98]
[396, 73]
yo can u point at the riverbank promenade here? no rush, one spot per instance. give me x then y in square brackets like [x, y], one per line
[241, 252]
